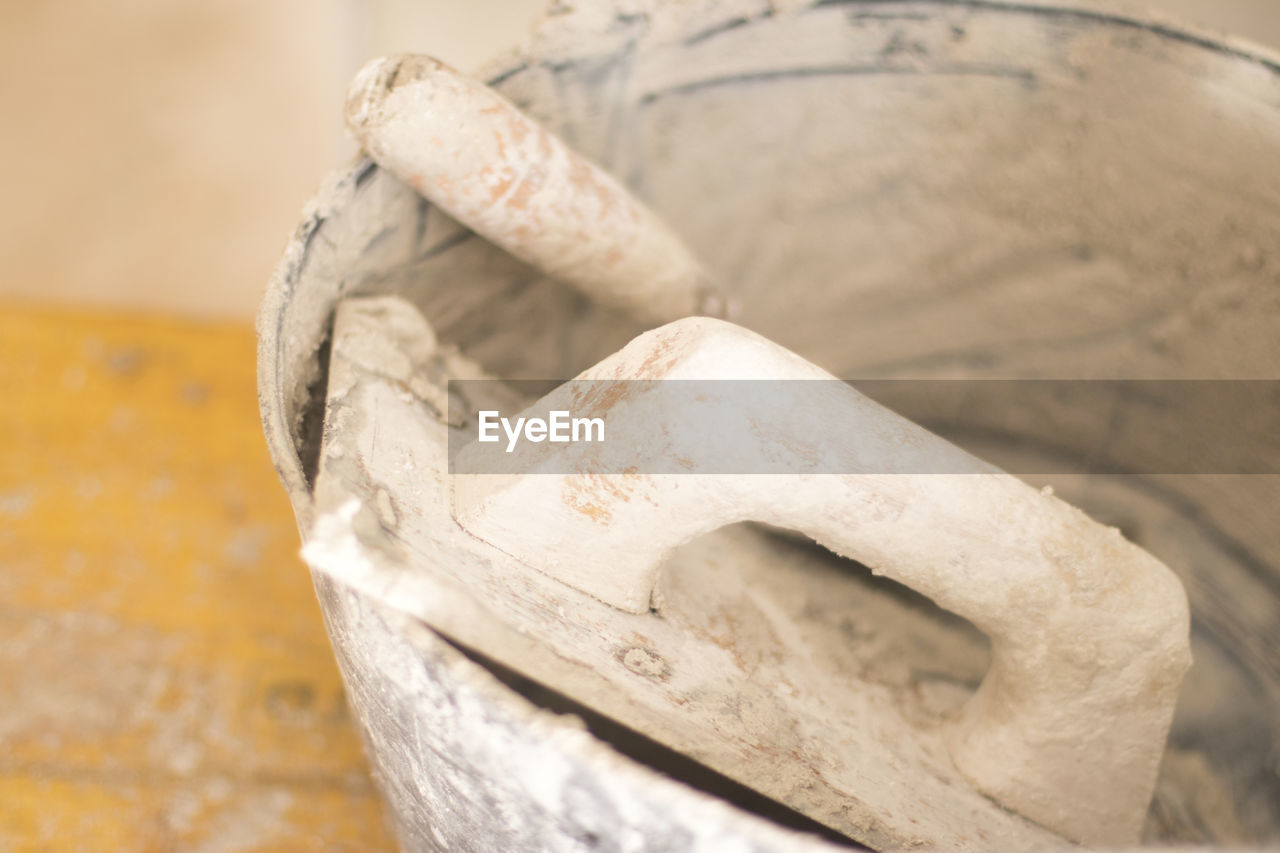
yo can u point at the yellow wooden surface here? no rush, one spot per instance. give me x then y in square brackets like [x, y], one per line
[165, 679]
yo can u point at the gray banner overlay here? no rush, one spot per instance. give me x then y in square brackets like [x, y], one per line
[1036, 427]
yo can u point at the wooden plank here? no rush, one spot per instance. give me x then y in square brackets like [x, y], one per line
[165, 679]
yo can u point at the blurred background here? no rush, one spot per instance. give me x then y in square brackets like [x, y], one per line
[157, 154]
[165, 680]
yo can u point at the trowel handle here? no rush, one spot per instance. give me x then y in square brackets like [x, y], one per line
[1089, 633]
[493, 168]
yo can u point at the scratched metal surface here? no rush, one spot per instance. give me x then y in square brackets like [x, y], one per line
[894, 189]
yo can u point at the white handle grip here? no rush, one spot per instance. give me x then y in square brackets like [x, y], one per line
[1089, 633]
[491, 167]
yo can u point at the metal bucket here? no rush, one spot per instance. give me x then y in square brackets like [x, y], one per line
[893, 190]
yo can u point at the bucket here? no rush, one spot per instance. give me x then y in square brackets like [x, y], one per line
[916, 190]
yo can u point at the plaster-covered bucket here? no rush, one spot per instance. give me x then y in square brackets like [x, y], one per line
[894, 190]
